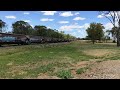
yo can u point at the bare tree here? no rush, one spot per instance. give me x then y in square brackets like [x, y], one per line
[114, 18]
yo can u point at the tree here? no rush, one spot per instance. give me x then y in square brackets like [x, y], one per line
[95, 31]
[40, 30]
[113, 32]
[114, 18]
[22, 27]
[2, 25]
[105, 38]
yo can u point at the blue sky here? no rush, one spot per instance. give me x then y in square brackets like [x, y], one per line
[71, 22]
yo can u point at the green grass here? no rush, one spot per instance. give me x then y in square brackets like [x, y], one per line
[49, 58]
[81, 70]
[65, 74]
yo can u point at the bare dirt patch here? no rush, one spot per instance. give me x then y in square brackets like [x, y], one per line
[17, 72]
[81, 64]
[103, 70]
[45, 76]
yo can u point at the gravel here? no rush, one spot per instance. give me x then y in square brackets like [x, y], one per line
[103, 70]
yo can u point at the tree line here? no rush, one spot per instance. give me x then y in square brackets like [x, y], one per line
[22, 27]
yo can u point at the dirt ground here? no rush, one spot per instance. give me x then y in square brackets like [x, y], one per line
[103, 70]
[98, 70]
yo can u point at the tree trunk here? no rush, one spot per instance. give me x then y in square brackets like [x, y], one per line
[114, 38]
[118, 37]
[93, 41]
[1, 30]
[106, 40]
[118, 41]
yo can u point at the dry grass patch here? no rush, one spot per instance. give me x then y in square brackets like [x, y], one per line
[17, 72]
[99, 52]
[46, 76]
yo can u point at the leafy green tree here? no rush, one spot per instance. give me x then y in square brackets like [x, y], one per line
[22, 27]
[113, 31]
[95, 31]
[40, 30]
[2, 25]
[99, 32]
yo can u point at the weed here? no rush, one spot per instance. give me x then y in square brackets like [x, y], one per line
[64, 74]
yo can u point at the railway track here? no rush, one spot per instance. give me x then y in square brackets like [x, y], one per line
[45, 44]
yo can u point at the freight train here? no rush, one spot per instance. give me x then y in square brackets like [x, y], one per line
[20, 39]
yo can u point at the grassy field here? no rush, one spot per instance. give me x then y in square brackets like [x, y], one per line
[64, 60]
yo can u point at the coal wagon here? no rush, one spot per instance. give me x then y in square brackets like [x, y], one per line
[6, 38]
[20, 39]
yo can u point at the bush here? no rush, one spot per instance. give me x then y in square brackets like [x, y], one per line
[64, 74]
[81, 70]
[114, 41]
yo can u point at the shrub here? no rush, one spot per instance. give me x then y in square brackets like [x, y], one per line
[64, 74]
[81, 70]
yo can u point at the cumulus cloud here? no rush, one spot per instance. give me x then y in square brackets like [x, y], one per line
[66, 14]
[108, 26]
[86, 25]
[49, 12]
[79, 18]
[26, 13]
[48, 27]
[77, 13]
[74, 34]
[63, 22]
[102, 15]
[69, 27]
[46, 19]
[32, 26]
[10, 17]
[73, 27]
[27, 20]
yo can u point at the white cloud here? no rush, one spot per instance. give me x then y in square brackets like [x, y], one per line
[46, 19]
[74, 33]
[27, 20]
[102, 15]
[77, 13]
[108, 26]
[73, 27]
[26, 13]
[49, 12]
[10, 17]
[48, 27]
[66, 14]
[86, 25]
[79, 18]
[76, 23]
[108, 15]
[32, 26]
[69, 27]
[63, 22]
